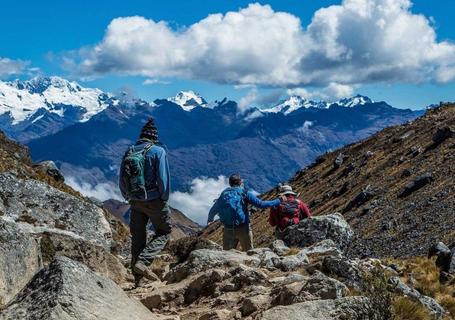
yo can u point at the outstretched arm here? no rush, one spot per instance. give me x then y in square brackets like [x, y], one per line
[258, 203]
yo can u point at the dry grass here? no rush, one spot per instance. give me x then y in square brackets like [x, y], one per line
[405, 309]
[422, 274]
[293, 251]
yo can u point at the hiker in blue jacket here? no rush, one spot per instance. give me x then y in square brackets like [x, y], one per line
[232, 208]
[145, 183]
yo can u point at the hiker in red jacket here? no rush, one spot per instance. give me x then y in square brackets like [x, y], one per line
[289, 212]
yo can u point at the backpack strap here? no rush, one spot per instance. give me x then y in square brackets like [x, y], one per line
[144, 154]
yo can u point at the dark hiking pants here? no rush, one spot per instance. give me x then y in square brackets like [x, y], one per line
[157, 212]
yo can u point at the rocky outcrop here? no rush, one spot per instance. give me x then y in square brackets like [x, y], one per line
[317, 229]
[416, 184]
[445, 260]
[19, 260]
[204, 259]
[97, 258]
[429, 303]
[68, 290]
[40, 207]
[352, 308]
[50, 169]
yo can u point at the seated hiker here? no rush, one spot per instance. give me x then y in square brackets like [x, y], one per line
[232, 208]
[289, 212]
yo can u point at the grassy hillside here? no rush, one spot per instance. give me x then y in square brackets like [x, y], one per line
[367, 185]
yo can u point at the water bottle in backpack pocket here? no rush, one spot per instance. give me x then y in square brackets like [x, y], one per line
[231, 204]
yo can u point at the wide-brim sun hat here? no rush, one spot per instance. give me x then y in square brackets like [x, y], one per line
[286, 190]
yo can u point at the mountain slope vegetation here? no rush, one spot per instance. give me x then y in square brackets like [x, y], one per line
[396, 188]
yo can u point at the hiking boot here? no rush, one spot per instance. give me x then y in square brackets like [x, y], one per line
[140, 269]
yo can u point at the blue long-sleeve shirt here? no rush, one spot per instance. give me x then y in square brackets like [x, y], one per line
[156, 172]
[251, 199]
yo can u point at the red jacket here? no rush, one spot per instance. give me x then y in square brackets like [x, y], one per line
[288, 213]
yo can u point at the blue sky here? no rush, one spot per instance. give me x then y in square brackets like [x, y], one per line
[43, 32]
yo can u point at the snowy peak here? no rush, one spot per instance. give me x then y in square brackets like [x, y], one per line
[188, 100]
[41, 84]
[357, 100]
[22, 99]
[294, 103]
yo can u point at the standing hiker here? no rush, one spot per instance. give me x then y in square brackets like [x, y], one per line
[145, 183]
[232, 208]
[288, 213]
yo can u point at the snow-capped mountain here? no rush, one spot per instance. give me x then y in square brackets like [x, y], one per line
[188, 100]
[40, 106]
[294, 103]
[21, 99]
[357, 100]
[62, 121]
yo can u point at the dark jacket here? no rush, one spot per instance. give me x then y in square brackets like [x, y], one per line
[156, 172]
[251, 199]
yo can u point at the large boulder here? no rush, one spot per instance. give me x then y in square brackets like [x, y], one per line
[320, 250]
[50, 169]
[97, 258]
[416, 184]
[19, 260]
[352, 308]
[317, 229]
[205, 259]
[317, 286]
[68, 290]
[347, 270]
[445, 260]
[42, 207]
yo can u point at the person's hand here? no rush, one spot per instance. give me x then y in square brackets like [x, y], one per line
[283, 198]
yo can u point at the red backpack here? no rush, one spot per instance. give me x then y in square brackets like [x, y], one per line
[289, 213]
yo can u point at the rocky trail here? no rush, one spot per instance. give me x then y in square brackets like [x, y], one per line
[63, 256]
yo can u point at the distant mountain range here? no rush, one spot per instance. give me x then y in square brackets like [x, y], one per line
[86, 131]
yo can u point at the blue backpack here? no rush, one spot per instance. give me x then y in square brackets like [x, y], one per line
[230, 207]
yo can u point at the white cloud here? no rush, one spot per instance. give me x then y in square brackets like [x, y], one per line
[356, 42]
[101, 191]
[305, 127]
[246, 102]
[151, 81]
[9, 67]
[332, 92]
[197, 202]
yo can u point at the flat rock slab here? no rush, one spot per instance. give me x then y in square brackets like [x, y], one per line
[205, 259]
[19, 260]
[352, 308]
[68, 290]
[39, 206]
